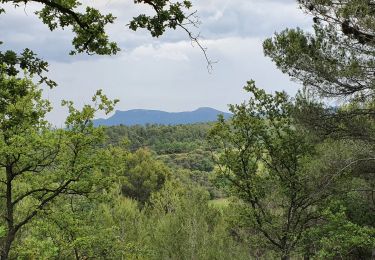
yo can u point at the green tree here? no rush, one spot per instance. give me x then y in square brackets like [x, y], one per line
[265, 157]
[143, 175]
[336, 59]
[39, 163]
[182, 225]
[337, 235]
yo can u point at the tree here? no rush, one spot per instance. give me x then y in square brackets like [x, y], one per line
[182, 225]
[143, 175]
[38, 163]
[337, 59]
[265, 158]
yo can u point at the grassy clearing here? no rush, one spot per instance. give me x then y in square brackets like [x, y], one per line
[219, 203]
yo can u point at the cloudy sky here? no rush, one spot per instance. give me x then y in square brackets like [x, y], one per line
[166, 73]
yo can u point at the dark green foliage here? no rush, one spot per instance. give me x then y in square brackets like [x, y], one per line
[196, 160]
[286, 178]
[168, 15]
[159, 138]
[88, 24]
[336, 60]
[12, 63]
[143, 176]
[183, 148]
[263, 156]
[338, 235]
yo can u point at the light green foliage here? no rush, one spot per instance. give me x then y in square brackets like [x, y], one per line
[301, 175]
[183, 226]
[39, 163]
[2, 231]
[76, 227]
[101, 226]
[178, 223]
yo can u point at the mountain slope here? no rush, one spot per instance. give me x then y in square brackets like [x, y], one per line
[144, 116]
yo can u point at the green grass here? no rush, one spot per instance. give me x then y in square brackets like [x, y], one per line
[219, 203]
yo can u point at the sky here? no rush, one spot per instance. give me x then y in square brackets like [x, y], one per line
[168, 73]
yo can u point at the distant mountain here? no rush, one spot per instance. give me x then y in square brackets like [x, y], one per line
[144, 116]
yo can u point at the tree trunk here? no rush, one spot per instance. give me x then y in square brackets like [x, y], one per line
[285, 250]
[6, 245]
[76, 253]
[2, 247]
[11, 232]
[307, 254]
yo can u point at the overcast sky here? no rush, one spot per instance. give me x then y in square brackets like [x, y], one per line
[166, 73]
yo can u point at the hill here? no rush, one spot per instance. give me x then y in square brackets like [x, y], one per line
[144, 116]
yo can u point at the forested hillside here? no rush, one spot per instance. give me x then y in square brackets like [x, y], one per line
[285, 177]
[146, 116]
[184, 148]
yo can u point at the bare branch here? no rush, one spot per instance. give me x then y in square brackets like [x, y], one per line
[196, 40]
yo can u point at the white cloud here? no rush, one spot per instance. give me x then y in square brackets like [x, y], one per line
[164, 73]
[165, 51]
[148, 78]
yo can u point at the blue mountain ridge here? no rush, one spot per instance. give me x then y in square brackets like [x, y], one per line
[145, 116]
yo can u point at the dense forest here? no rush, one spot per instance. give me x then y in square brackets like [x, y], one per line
[286, 177]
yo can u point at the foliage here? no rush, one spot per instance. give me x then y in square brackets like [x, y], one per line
[269, 161]
[161, 138]
[187, 228]
[38, 163]
[2, 231]
[336, 60]
[143, 176]
[88, 24]
[182, 148]
[168, 15]
[177, 224]
[300, 174]
[339, 236]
